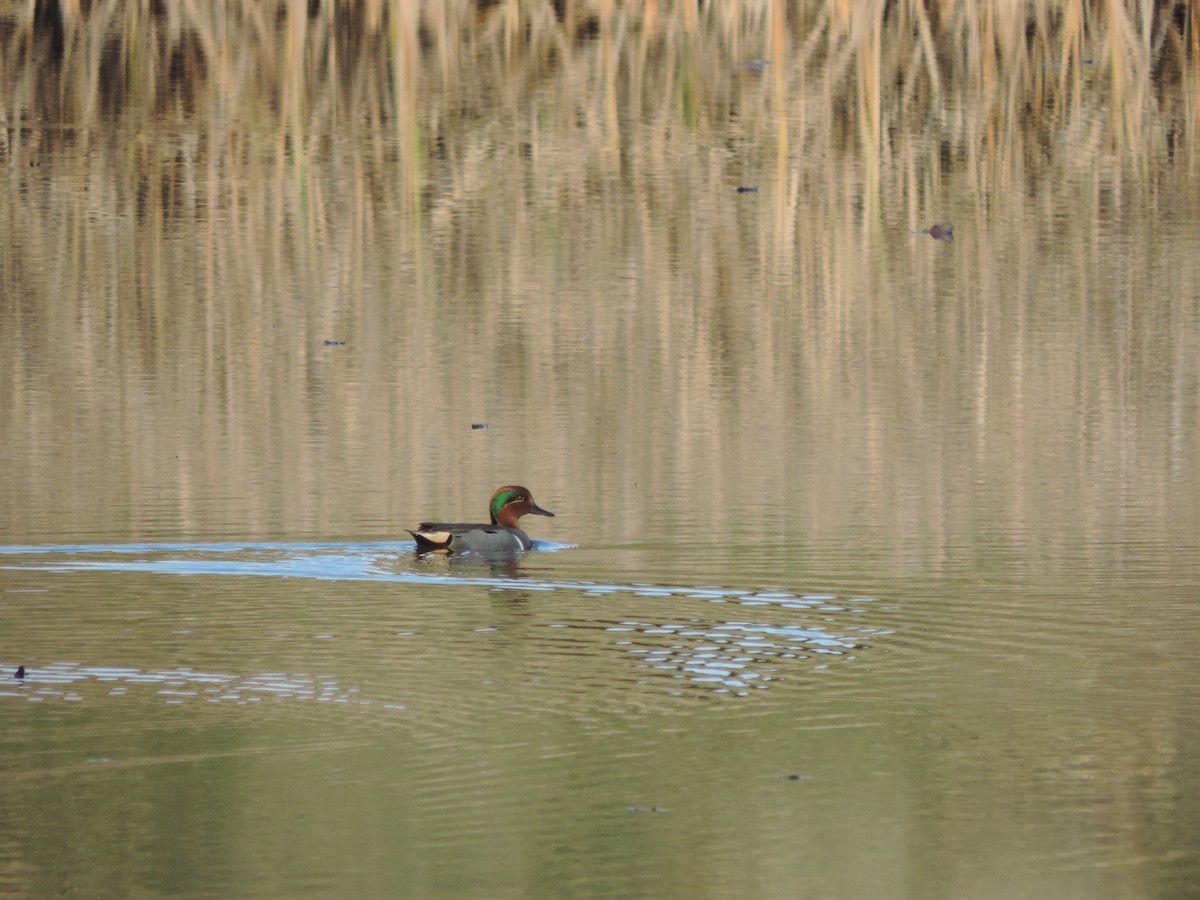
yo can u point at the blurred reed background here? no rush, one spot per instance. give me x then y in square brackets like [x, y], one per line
[525, 213]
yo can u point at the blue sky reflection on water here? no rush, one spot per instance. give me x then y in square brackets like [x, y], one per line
[737, 653]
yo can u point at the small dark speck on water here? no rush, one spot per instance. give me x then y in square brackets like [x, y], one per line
[335, 343]
[20, 673]
[795, 777]
[942, 231]
[748, 190]
[650, 809]
[475, 426]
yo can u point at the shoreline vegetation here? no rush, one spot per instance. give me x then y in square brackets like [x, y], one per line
[904, 83]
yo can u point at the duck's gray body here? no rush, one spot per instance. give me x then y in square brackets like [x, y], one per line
[457, 537]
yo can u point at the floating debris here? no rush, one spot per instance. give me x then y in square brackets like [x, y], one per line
[637, 807]
[20, 673]
[475, 426]
[334, 343]
[748, 190]
[942, 231]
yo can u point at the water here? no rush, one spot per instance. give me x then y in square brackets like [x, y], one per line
[874, 565]
[358, 717]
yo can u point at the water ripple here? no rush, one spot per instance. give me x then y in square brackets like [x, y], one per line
[65, 680]
[667, 634]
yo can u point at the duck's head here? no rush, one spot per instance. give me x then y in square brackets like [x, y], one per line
[510, 503]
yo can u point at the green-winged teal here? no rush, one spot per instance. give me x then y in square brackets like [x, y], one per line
[504, 535]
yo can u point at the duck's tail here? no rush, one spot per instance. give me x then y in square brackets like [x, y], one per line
[431, 542]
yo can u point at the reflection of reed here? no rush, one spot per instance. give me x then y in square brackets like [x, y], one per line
[496, 202]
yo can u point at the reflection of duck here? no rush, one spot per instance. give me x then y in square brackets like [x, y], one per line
[942, 231]
[503, 535]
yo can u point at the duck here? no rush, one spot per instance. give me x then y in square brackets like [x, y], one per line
[503, 535]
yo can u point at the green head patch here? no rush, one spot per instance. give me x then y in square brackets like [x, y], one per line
[501, 500]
